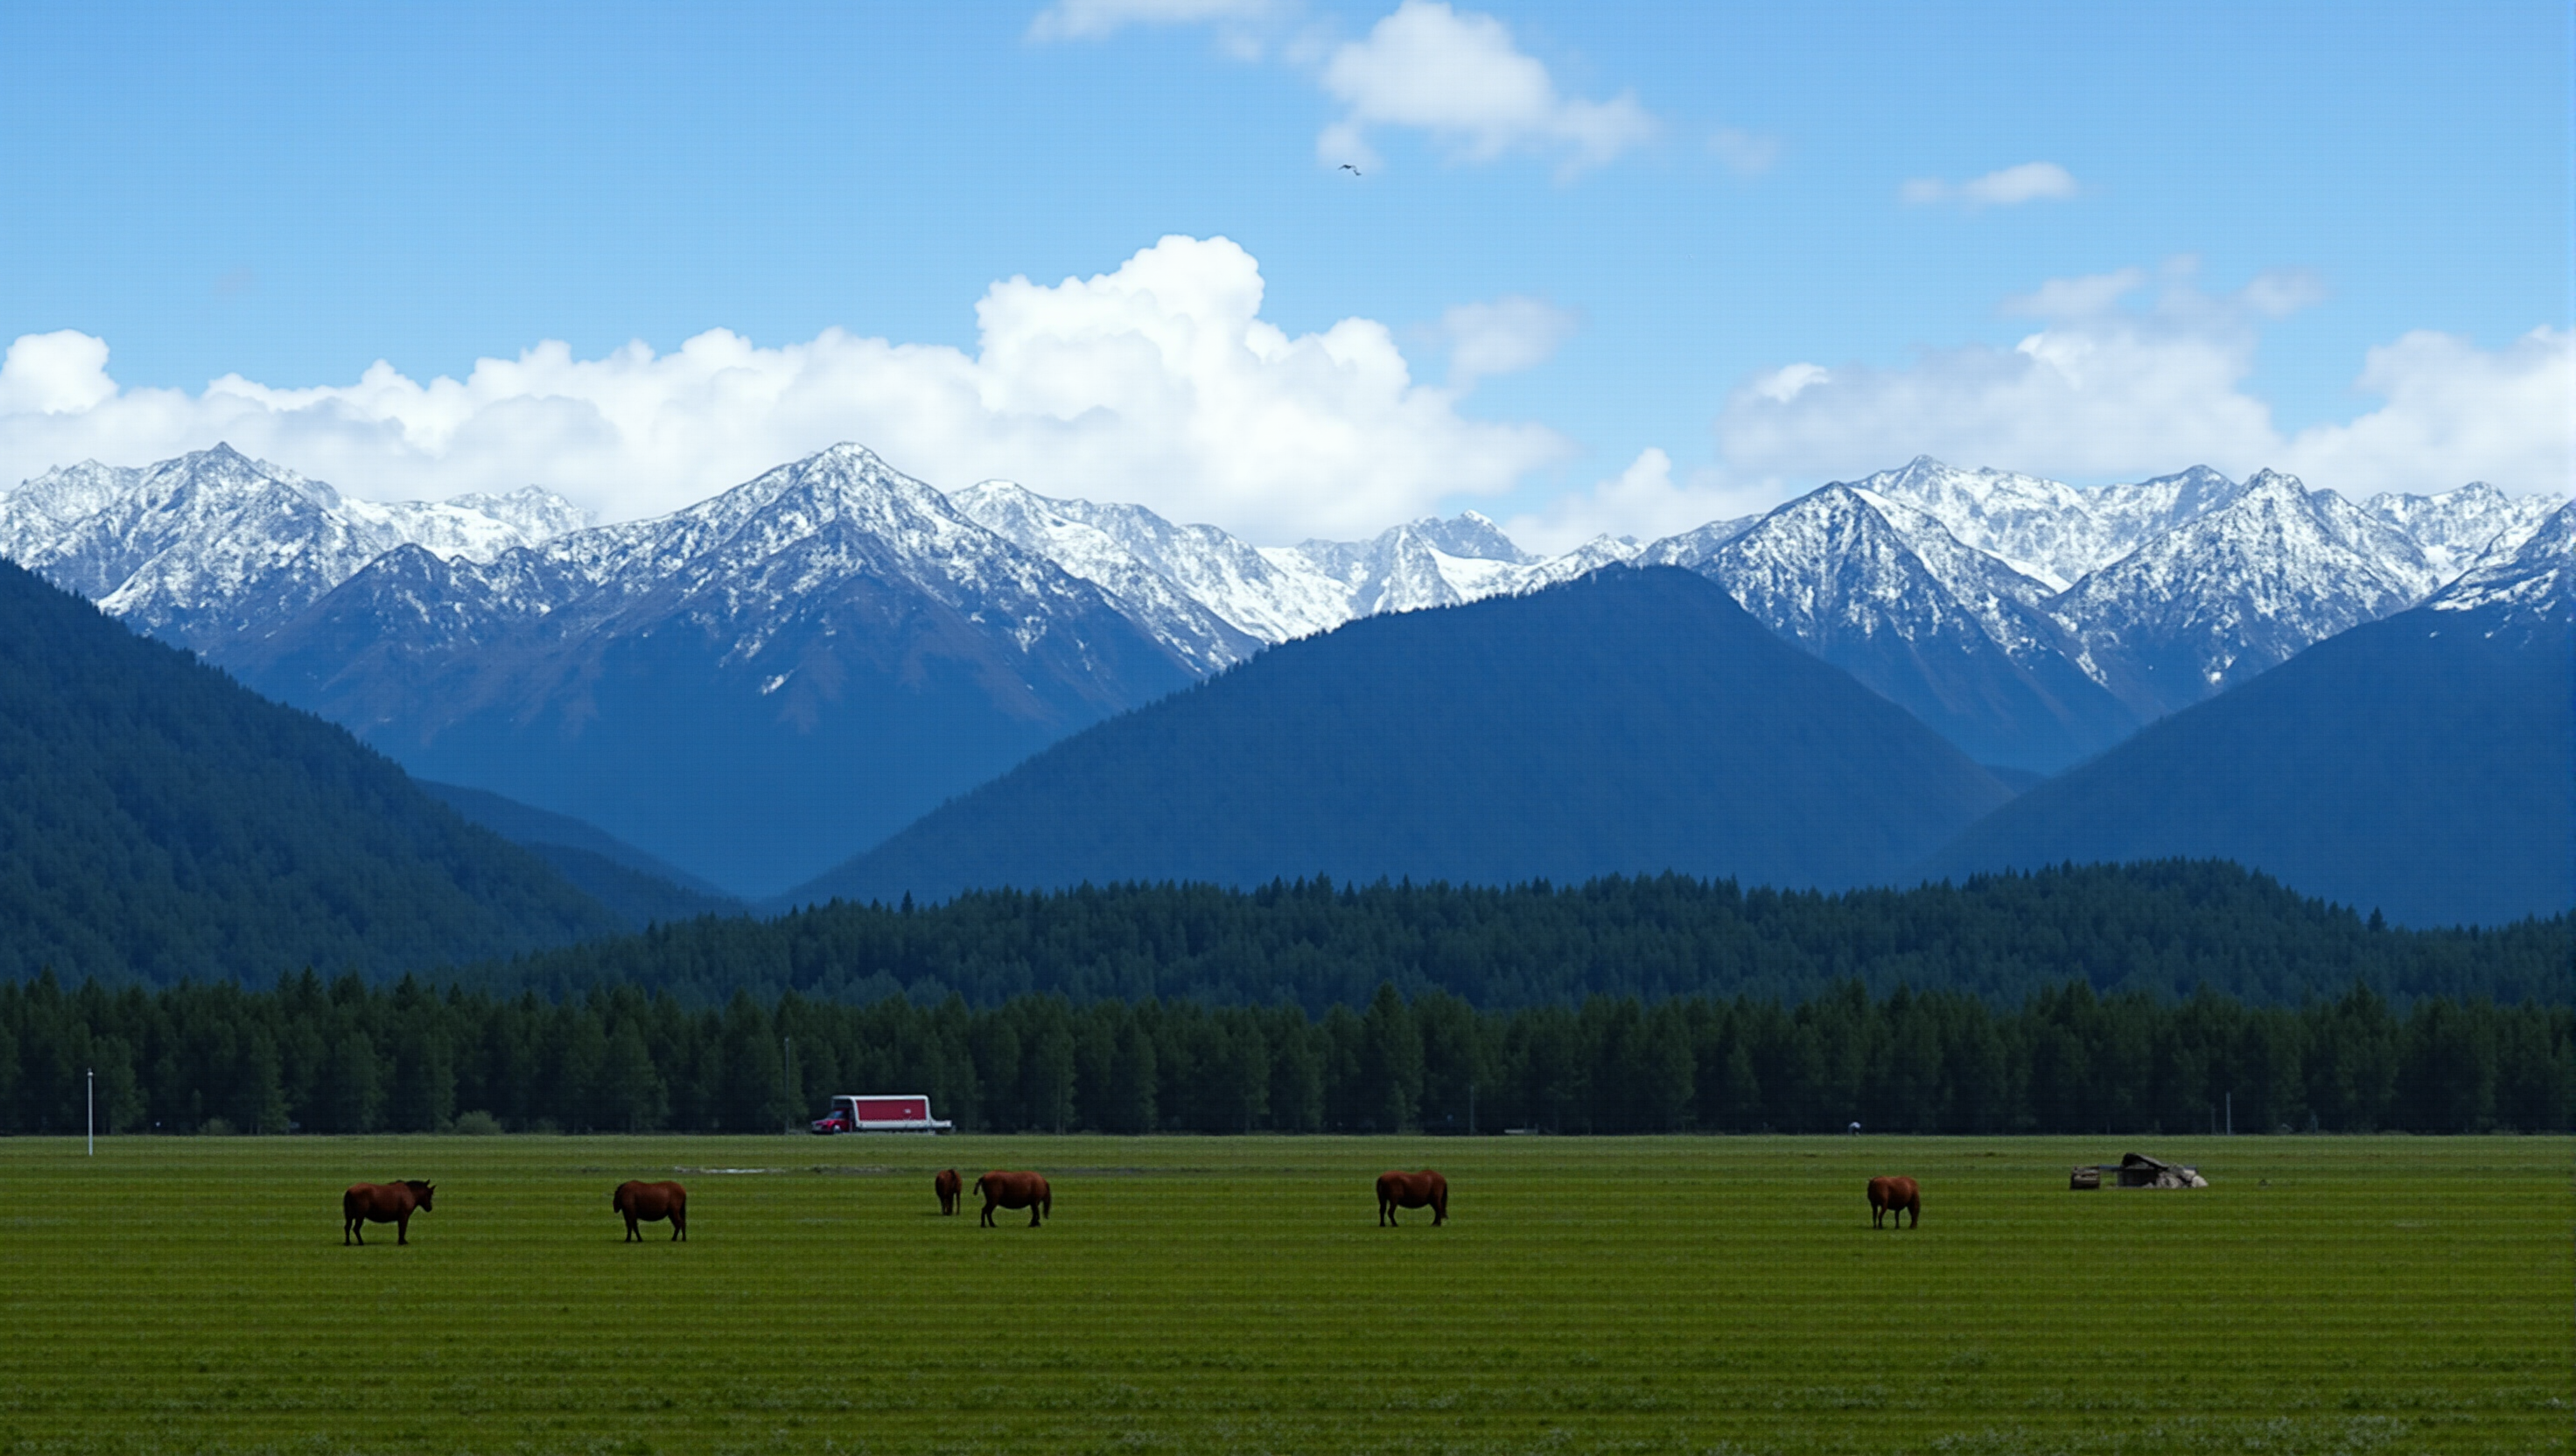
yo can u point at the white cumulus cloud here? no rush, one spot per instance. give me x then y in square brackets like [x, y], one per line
[2029, 182]
[2111, 386]
[2080, 401]
[1643, 501]
[1460, 76]
[1158, 383]
[2122, 382]
[2453, 412]
[64, 372]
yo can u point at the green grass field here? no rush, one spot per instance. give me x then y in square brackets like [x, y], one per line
[1666, 1294]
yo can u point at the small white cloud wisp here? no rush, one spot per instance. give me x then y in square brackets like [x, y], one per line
[1459, 76]
[1092, 19]
[1746, 154]
[2029, 182]
[1508, 335]
[1158, 382]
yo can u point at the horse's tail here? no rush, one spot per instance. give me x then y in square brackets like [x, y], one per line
[1046, 1201]
[979, 1185]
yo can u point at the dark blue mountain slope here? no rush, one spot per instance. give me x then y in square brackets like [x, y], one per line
[640, 888]
[158, 821]
[2424, 766]
[1633, 721]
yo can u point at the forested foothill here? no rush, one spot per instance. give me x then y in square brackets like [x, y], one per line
[2424, 763]
[1488, 743]
[2165, 929]
[345, 1057]
[158, 820]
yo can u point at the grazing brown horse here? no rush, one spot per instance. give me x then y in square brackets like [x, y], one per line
[952, 1196]
[1898, 1196]
[1015, 1190]
[392, 1203]
[652, 1203]
[1425, 1189]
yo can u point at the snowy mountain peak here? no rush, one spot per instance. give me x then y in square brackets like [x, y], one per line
[2193, 490]
[1846, 557]
[1424, 563]
[2531, 577]
[1269, 600]
[1470, 536]
[1193, 628]
[2044, 529]
[2458, 527]
[1878, 586]
[211, 545]
[846, 492]
[535, 512]
[2237, 589]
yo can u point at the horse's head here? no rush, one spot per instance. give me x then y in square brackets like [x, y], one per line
[421, 1191]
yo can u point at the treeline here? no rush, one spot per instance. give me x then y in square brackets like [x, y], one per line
[344, 1057]
[2164, 929]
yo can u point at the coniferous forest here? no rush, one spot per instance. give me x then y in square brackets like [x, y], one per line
[2164, 928]
[2120, 1000]
[343, 1056]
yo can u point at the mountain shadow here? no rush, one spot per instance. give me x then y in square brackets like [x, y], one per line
[640, 889]
[1633, 721]
[158, 821]
[2423, 765]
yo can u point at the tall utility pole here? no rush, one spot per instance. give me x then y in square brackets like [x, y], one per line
[90, 1111]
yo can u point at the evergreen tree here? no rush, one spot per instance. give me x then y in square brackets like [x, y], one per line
[1390, 1065]
[353, 1091]
[631, 1094]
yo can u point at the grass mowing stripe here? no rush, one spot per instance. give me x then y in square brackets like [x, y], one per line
[1643, 1294]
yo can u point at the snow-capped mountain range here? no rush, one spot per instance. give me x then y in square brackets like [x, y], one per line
[1273, 593]
[748, 688]
[212, 546]
[2030, 621]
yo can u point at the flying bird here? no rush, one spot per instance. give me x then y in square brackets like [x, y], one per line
[1354, 171]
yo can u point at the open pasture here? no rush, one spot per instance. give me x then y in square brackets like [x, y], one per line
[1189, 1294]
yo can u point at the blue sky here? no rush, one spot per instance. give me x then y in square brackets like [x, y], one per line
[1608, 268]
